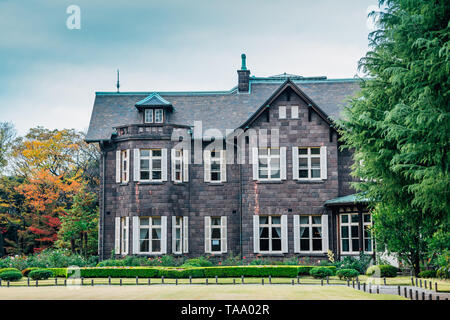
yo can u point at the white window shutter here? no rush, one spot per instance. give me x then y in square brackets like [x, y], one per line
[255, 162]
[164, 234]
[223, 234]
[284, 234]
[256, 234]
[186, 158]
[172, 162]
[223, 166]
[323, 163]
[207, 234]
[282, 112]
[185, 234]
[283, 163]
[126, 250]
[295, 163]
[118, 171]
[135, 235]
[174, 238]
[117, 236]
[294, 112]
[136, 165]
[164, 164]
[325, 233]
[207, 165]
[296, 234]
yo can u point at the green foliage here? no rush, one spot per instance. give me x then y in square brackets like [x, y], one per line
[131, 261]
[59, 272]
[197, 262]
[11, 275]
[347, 274]
[8, 269]
[26, 271]
[443, 272]
[40, 274]
[360, 264]
[427, 274]
[381, 271]
[400, 128]
[321, 272]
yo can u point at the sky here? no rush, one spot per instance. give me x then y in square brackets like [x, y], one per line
[49, 73]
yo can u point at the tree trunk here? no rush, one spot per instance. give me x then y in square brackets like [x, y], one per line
[72, 245]
[416, 264]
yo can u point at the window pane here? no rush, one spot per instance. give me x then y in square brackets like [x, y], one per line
[262, 151]
[317, 232]
[344, 218]
[264, 232]
[144, 246]
[178, 233]
[263, 162]
[366, 232]
[345, 245]
[276, 220]
[144, 234]
[156, 234]
[276, 244]
[145, 153]
[315, 173]
[156, 175]
[215, 233]
[275, 152]
[368, 245]
[156, 153]
[156, 164]
[215, 245]
[156, 221]
[367, 218]
[304, 244]
[264, 244]
[304, 219]
[317, 244]
[156, 245]
[355, 244]
[263, 220]
[315, 162]
[355, 218]
[276, 232]
[145, 175]
[144, 165]
[178, 246]
[263, 174]
[303, 174]
[275, 173]
[215, 221]
[302, 151]
[344, 232]
[143, 221]
[215, 166]
[355, 232]
[215, 176]
[315, 150]
[303, 162]
[304, 232]
[317, 220]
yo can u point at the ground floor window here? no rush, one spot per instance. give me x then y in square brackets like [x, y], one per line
[349, 232]
[150, 235]
[367, 223]
[270, 233]
[310, 233]
[216, 234]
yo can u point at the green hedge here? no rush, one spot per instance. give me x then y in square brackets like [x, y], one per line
[40, 274]
[427, 274]
[321, 272]
[384, 271]
[13, 275]
[194, 272]
[347, 274]
[8, 269]
[59, 272]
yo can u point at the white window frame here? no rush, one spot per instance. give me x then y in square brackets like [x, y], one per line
[212, 227]
[156, 119]
[150, 228]
[349, 224]
[220, 158]
[124, 235]
[148, 116]
[150, 159]
[370, 237]
[268, 158]
[177, 158]
[309, 168]
[124, 165]
[178, 220]
[310, 225]
[270, 225]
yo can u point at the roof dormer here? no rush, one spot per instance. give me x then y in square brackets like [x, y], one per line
[154, 108]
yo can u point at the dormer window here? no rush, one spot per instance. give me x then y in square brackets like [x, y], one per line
[153, 115]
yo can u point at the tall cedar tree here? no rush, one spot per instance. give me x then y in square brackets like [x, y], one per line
[399, 127]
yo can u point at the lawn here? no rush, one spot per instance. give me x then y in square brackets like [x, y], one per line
[197, 292]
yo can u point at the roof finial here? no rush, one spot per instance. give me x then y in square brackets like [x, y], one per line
[118, 81]
[243, 57]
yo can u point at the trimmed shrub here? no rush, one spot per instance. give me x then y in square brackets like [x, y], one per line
[59, 272]
[40, 274]
[347, 274]
[26, 271]
[197, 262]
[11, 275]
[443, 272]
[427, 274]
[321, 272]
[8, 269]
[382, 270]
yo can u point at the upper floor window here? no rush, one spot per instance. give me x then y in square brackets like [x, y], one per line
[151, 164]
[125, 158]
[153, 115]
[122, 166]
[309, 163]
[215, 166]
[269, 164]
[180, 165]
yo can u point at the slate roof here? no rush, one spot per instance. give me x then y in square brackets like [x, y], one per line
[216, 109]
[153, 100]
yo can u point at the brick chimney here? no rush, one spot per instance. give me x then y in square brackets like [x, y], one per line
[243, 77]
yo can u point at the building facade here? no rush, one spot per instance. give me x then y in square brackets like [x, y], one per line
[256, 170]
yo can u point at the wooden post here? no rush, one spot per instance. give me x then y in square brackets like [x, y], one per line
[109, 280]
[423, 295]
[234, 280]
[176, 281]
[328, 282]
[353, 284]
[217, 282]
[65, 282]
[384, 280]
[410, 294]
[431, 285]
[149, 281]
[7, 283]
[162, 279]
[364, 287]
[425, 283]
[120, 282]
[242, 279]
[206, 281]
[190, 279]
[435, 287]
[359, 287]
[92, 282]
[137, 280]
[1, 282]
[292, 281]
[28, 282]
[430, 297]
[417, 283]
[370, 289]
[270, 279]
[417, 295]
[406, 292]
[262, 281]
[298, 279]
[399, 291]
[378, 289]
[37, 283]
[82, 280]
[56, 281]
[412, 281]
[420, 283]
[321, 282]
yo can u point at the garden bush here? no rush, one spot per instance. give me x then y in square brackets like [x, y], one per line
[347, 274]
[59, 272]
[26, 271]
[8, 269]
[321, 272]
[197, 262]
[11, 275]
[40, 274]
[443, 272]
[382, 270]
[361, 263]
[427, 274]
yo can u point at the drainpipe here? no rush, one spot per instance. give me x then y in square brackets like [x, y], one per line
[102, 212]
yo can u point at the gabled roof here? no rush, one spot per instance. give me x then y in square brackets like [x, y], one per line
[350, 199]
[153, 100]
[216, 109]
